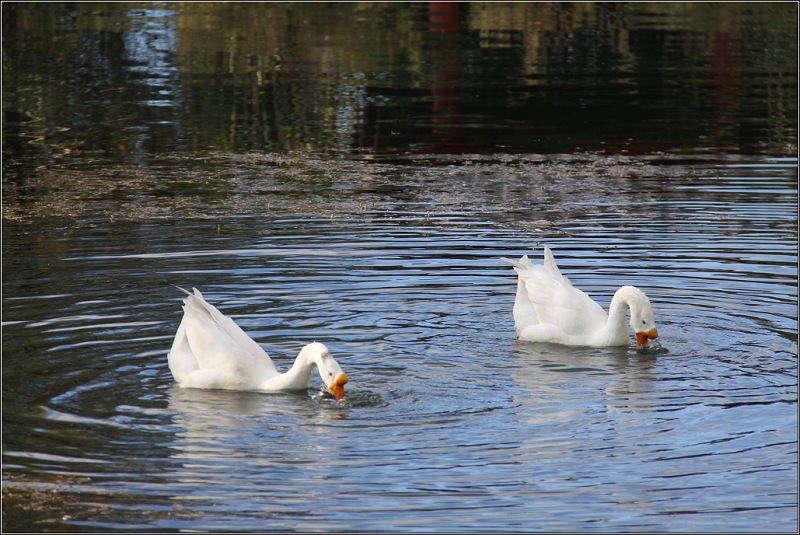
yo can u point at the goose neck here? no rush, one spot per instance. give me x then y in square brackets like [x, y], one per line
[619, 306]
[295, 379]
[301, 369]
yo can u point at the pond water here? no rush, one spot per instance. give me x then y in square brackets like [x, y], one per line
[377, 228]
[449, 422]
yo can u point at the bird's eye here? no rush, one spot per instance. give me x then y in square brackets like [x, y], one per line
[644, 322]
[330, 374]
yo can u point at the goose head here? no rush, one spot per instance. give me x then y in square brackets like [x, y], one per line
[643, 322]
[329, 370]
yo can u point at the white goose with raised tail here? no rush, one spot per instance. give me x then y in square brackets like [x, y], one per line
[211, 351]
[549, 309]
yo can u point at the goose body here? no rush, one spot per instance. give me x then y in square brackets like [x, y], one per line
[211, 351]
[548, 308]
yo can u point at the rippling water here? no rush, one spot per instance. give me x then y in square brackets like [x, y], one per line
[352, 174]
[449, 422]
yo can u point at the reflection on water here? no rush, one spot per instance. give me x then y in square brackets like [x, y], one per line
[126, 81]
[351, 174]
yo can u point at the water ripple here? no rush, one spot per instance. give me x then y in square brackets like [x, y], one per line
[448, 420]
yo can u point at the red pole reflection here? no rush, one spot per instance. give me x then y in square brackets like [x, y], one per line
[725, 83]
[444, 18]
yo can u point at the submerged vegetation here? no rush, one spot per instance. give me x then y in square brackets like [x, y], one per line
[216, 184]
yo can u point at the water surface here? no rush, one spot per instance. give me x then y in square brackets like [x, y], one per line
[449, 422]
[352, 174]
[127, 80]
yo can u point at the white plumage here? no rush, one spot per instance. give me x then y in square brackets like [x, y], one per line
[211, 351]
[549, 309]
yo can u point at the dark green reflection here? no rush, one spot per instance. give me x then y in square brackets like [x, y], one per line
[129, 79]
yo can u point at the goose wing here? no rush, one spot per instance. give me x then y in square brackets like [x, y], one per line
[216, 342]
[546, 296]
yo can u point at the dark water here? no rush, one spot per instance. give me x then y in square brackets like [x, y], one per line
[351, 174]
[127, 80]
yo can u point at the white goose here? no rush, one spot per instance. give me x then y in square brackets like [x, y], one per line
[211, 351]
[549, 309]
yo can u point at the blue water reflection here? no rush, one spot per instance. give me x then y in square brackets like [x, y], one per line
[449, 421]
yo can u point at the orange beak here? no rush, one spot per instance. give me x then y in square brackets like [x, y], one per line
[643, 337]
[337, 388]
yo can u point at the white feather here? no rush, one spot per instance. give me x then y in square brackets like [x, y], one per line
[548, 308]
